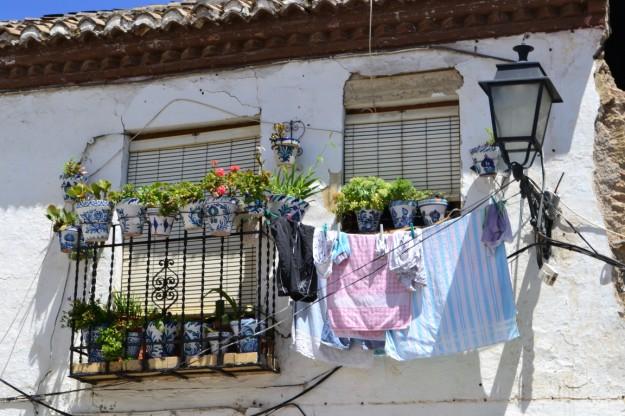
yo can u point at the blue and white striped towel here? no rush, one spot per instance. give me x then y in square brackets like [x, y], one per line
[468, 301]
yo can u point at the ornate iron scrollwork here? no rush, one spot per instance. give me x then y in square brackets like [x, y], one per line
[165, 286]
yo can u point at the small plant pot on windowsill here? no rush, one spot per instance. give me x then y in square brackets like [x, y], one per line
[220, 213]
[287, 206]
[68, 239]
[95, 217]
[131, 217]
[160, 225]
[403, 213]
[248, 342]
[485, 159]
[432, 210]
[161, 338]
[193, 216]
[368, 220]
[194, 333]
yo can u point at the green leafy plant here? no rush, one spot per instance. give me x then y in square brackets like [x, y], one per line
[403, 190]
[60, 217]
[252, 186]
[129, 190]
[127, 311]
[83, 191]
[362, 193]
[187, 192]
[288, 181]
[491, 137]
[160, 195]
[85, 314]
[73, 168]
[111, 341]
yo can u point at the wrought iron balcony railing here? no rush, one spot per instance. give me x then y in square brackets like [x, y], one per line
[190, 303]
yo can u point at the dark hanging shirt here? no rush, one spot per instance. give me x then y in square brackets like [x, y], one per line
[297, 274]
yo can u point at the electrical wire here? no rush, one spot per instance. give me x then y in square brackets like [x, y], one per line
[33, 399]
[297, 406]
[590, 222]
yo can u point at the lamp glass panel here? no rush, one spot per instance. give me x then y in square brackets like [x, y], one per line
[517, 151]
[514, 106]
[543, 115]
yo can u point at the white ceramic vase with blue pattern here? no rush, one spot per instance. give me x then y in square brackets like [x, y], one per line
[94, 349]
[161, 339]
[68, 239]
[193, 216]
[69, 181]
[255, 208]
[432, 210]
[485, 159]
[248, 342]
[368, 220]
[219, 215]
[95, 217]
[131, 217]
[133, 344]
[193, 342]
[217, 341]
[403, 213]
[160, 225]
[286, 149]
[287, 206]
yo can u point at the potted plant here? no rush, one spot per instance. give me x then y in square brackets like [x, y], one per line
[433, 208]
[221, 202]
[190, 198]
[403, 206]
[161, 334]
[252, 188]
[73, 174]
[130, 211]
[129, 319]
[284, 144]
[162, 207]
[289, 191]
[486, 156]
[64, 224]
[93, 209]
[366, 197]
[242, 323]
[91, 319]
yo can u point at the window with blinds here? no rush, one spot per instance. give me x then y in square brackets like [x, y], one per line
[208, 261]
[422, 145]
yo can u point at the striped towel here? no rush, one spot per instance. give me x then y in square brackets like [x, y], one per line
[468, 302]
[367, 298]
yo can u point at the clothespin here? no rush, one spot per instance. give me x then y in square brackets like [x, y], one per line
[325, 230]
[381, 230]
[412, 230]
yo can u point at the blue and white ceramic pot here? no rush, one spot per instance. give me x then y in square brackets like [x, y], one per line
[214, 338]
[193, 343]
[160, 225]
[69, 181]
[485, 160]
[403, 212]
[256, 208]
[287, 206]
[193, 216]
[133, 344]
[68, 239]
[248, 342]
[161, 339]
[131, 217]
[94, 350]
[220, 213]
[432, 210]
[368, 220]
[95, 217]
[286, 149]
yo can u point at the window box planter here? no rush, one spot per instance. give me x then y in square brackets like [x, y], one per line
[248, 326]
[131, 216]
[160, 225]
[161, 339]
[220, 213]
[193, 216]
[94, 216]
[193, 335]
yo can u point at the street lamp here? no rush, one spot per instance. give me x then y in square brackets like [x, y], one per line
[520, 100]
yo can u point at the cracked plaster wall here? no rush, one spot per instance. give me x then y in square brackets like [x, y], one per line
[567, 361]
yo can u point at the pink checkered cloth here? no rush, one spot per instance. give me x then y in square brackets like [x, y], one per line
[371, 305]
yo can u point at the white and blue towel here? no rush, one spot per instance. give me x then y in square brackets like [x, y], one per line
[468, 302]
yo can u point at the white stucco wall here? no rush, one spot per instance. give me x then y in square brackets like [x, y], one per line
[567, 361]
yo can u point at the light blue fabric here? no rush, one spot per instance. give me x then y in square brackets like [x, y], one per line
[340, 249]
[468, 302]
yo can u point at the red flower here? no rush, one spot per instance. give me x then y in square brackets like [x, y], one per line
[220, 172]
[221, 190]
[235, 168]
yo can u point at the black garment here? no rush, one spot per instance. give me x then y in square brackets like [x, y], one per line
[297, 274]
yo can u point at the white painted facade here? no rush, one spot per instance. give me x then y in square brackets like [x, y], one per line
[568, 360]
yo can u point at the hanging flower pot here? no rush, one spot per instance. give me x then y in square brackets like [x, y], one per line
[403, 212]
[433, 209]
[368, 220]
[67, 181]
[94, 216]
[485, 159]
[220, 213]
[68, 239]
[131, 216]
[160, 225]
[287, 206]
[193, 216]
[161, 338]
[285, 141]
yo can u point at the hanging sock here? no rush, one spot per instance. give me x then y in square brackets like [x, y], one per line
[380, 243]
[340, 249]
[322, 251]
[496, 227]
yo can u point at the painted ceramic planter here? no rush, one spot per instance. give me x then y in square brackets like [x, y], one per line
[133, 344]
[161, 339]
[248, 342]
[193, 343]
[220, 213]
[368, 220]
[131, 217]
[432, 210]
[68, 239]
[287, 206]
[256, 208]
[95, 217]
[485, 160]
[213, 341]
[403, 212]
[69, 181]
[160, 226]
[193, 216]
[286, 150]
[94, 351]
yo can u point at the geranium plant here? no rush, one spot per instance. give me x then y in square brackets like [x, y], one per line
[220, 182]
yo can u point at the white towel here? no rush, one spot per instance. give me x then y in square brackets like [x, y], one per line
[406, 259]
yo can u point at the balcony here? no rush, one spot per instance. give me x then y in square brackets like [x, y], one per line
[183, 305]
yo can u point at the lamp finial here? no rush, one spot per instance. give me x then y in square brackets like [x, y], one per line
[523, 51]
